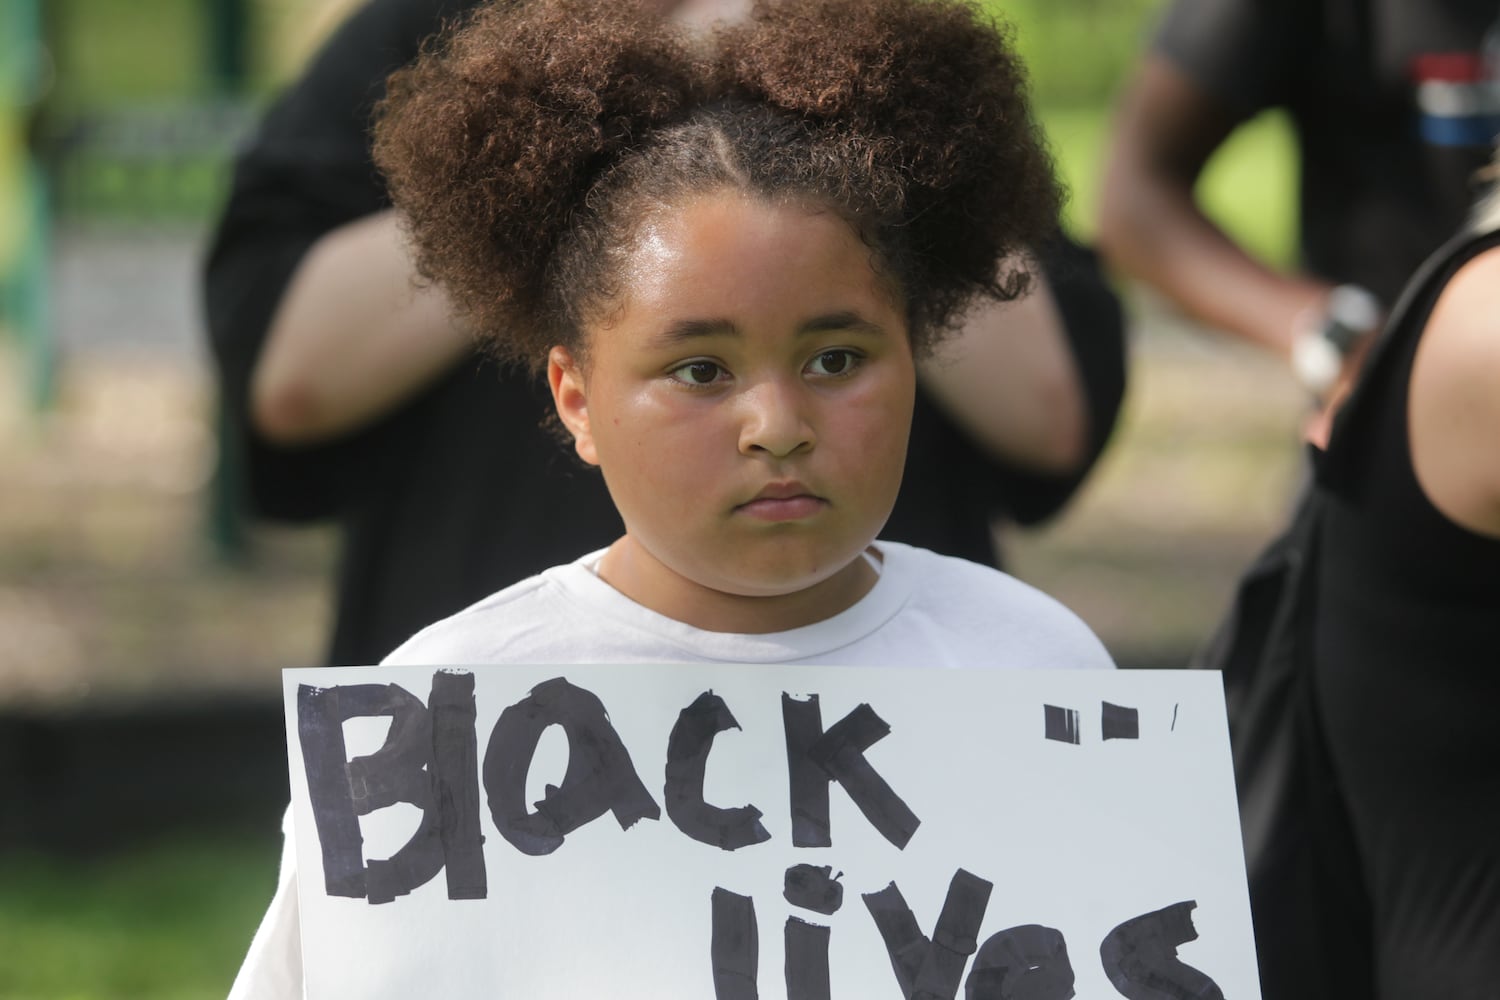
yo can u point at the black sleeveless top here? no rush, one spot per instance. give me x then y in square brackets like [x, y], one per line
[1408, 682]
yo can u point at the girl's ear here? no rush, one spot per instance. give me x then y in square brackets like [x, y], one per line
[570, 396]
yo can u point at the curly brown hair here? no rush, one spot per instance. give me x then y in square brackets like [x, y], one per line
[526, 147]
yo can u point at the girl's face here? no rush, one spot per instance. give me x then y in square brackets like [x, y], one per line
[748, 400]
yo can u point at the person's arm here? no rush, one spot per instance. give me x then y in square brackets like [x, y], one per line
[354, 336]
[305, 174]
[1453, 413]
[1008, 381]
[1151, 227]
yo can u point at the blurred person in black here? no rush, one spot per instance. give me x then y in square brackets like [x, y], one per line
[1395, 107]
[1376, 870]
[352, 395]
[1393, 114]
[1406, 652]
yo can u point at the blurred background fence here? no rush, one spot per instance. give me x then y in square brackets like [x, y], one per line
[142, 626]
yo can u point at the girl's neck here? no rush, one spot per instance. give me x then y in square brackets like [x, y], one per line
[634, 572]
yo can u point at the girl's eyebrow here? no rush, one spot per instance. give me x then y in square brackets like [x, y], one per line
[690, 329]
[847, 320]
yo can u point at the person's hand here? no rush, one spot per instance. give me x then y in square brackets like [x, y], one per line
[1319, 425]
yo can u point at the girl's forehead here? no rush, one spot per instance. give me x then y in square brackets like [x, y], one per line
[737, 245]
[723, 202]
[722, 214]
[727, 222]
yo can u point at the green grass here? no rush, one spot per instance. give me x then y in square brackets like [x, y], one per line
[127, 52]
[110, 53]
[1077, 137]
[1077, 51]
[1249, 187]
[185, 189]
[169, 922]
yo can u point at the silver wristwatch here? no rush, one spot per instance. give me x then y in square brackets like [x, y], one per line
[1349, 315]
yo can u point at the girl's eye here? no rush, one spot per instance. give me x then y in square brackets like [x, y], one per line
[837, 362]
[698, 373]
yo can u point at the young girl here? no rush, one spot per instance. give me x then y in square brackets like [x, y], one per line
[726, 255]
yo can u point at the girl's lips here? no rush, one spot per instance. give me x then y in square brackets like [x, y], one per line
[792, 508]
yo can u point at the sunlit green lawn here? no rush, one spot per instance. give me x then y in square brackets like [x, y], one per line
[168, 922]
[1249, 187]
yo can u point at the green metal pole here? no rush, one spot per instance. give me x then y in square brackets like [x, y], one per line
[228, 45]
[26, 274]
[34, 316]
[228, 51]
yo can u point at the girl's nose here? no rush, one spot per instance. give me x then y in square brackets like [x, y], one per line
[775, 419]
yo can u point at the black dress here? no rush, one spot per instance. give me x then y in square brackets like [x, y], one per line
[1407, 679]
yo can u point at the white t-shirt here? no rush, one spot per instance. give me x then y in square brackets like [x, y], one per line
[925, 610]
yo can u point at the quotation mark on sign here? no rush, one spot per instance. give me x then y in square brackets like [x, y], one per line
[1116, 722]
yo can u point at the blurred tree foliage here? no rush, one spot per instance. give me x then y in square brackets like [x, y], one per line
[138, 125]
[112, 52]
[133, 80]
[1078, 50]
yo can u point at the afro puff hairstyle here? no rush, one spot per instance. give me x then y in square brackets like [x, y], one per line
[528, 144]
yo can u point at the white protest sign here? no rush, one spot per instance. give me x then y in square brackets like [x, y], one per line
[728, 833]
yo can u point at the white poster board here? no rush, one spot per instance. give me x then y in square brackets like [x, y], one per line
[987, 834]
